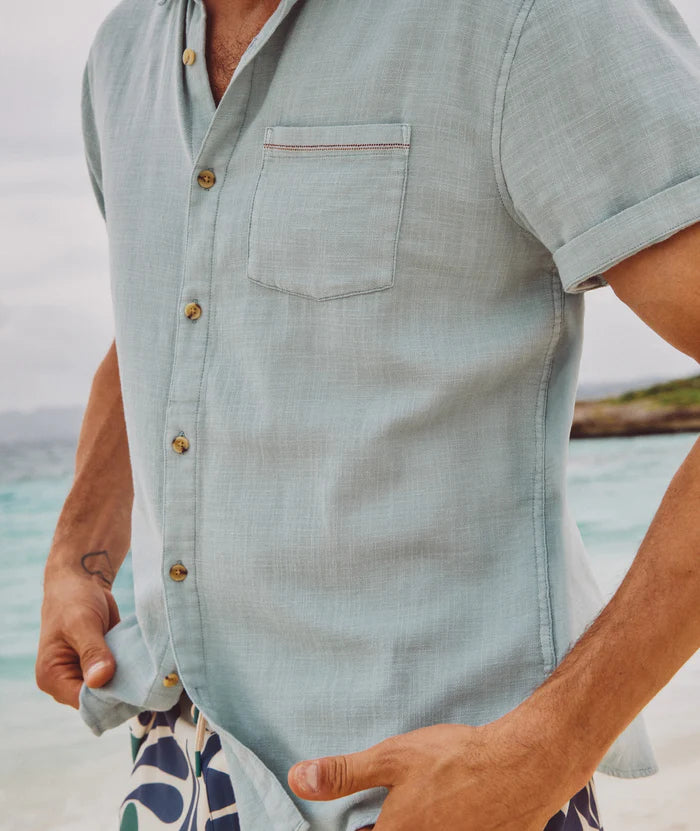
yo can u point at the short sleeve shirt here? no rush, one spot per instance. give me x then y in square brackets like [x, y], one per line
[348, 307]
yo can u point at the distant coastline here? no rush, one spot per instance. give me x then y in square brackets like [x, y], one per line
[670, 407]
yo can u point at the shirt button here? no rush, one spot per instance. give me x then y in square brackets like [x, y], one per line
[171, 680]
[193, 311]
[178, 572]
[180, 444]
[188, 57]
[206, 178]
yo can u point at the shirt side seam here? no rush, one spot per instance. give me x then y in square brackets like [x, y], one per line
[539, 502]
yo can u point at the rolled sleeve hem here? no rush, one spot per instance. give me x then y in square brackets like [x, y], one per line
[581, 260]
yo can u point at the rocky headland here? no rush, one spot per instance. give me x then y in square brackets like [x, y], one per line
[671, 407]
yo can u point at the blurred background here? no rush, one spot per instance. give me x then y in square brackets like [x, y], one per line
[55, 327]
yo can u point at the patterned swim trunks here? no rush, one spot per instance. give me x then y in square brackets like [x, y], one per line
[182, 784]
[173, 783]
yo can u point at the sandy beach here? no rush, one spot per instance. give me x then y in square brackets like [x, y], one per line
[665, 801]
[65, 779]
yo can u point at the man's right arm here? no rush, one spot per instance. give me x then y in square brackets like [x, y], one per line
[90, 543]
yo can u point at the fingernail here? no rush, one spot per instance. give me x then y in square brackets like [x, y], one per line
[94, 669]
[307, 776]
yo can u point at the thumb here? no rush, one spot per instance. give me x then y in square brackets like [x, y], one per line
[96, 661]
[330, 777]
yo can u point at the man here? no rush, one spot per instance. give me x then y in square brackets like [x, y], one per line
[349, 245]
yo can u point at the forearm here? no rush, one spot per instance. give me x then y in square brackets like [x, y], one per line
[94, 527]
[648, 630]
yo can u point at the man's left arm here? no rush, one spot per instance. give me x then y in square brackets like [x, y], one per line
[515, 773]
[651, 626]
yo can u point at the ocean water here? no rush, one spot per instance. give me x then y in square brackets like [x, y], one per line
[614, 486]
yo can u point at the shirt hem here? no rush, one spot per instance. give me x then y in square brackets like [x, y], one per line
[633, 773]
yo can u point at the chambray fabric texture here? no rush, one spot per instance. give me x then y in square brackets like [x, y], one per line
[411, 200]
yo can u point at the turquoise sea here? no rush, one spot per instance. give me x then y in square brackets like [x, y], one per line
[615, 486]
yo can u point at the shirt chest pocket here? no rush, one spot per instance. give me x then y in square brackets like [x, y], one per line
[325, 216]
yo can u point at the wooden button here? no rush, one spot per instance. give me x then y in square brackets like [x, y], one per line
[180, 444]
[178, 572]
[171, 680]
[193, 311]
[188, 57]
[206, 179]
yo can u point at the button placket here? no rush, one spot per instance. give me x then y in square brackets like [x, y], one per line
[182, 545]
[180, 551]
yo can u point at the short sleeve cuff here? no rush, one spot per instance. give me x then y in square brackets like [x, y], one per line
[582, 260]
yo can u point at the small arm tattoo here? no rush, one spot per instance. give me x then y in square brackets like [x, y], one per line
[98, 563]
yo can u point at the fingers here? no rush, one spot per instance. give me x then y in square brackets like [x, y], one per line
[76, 614]
[61, 668]
[75, 652]
[58, 673]
[71, 691]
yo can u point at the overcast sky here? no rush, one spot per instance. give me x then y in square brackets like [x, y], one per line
[55, 307]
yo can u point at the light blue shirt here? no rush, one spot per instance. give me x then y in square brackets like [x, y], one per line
[406, 201]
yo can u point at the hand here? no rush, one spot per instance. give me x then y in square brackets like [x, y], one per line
[453, 777]
[75, 614]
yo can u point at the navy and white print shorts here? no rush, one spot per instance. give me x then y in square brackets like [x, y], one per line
[166, 794]
[165, 790]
